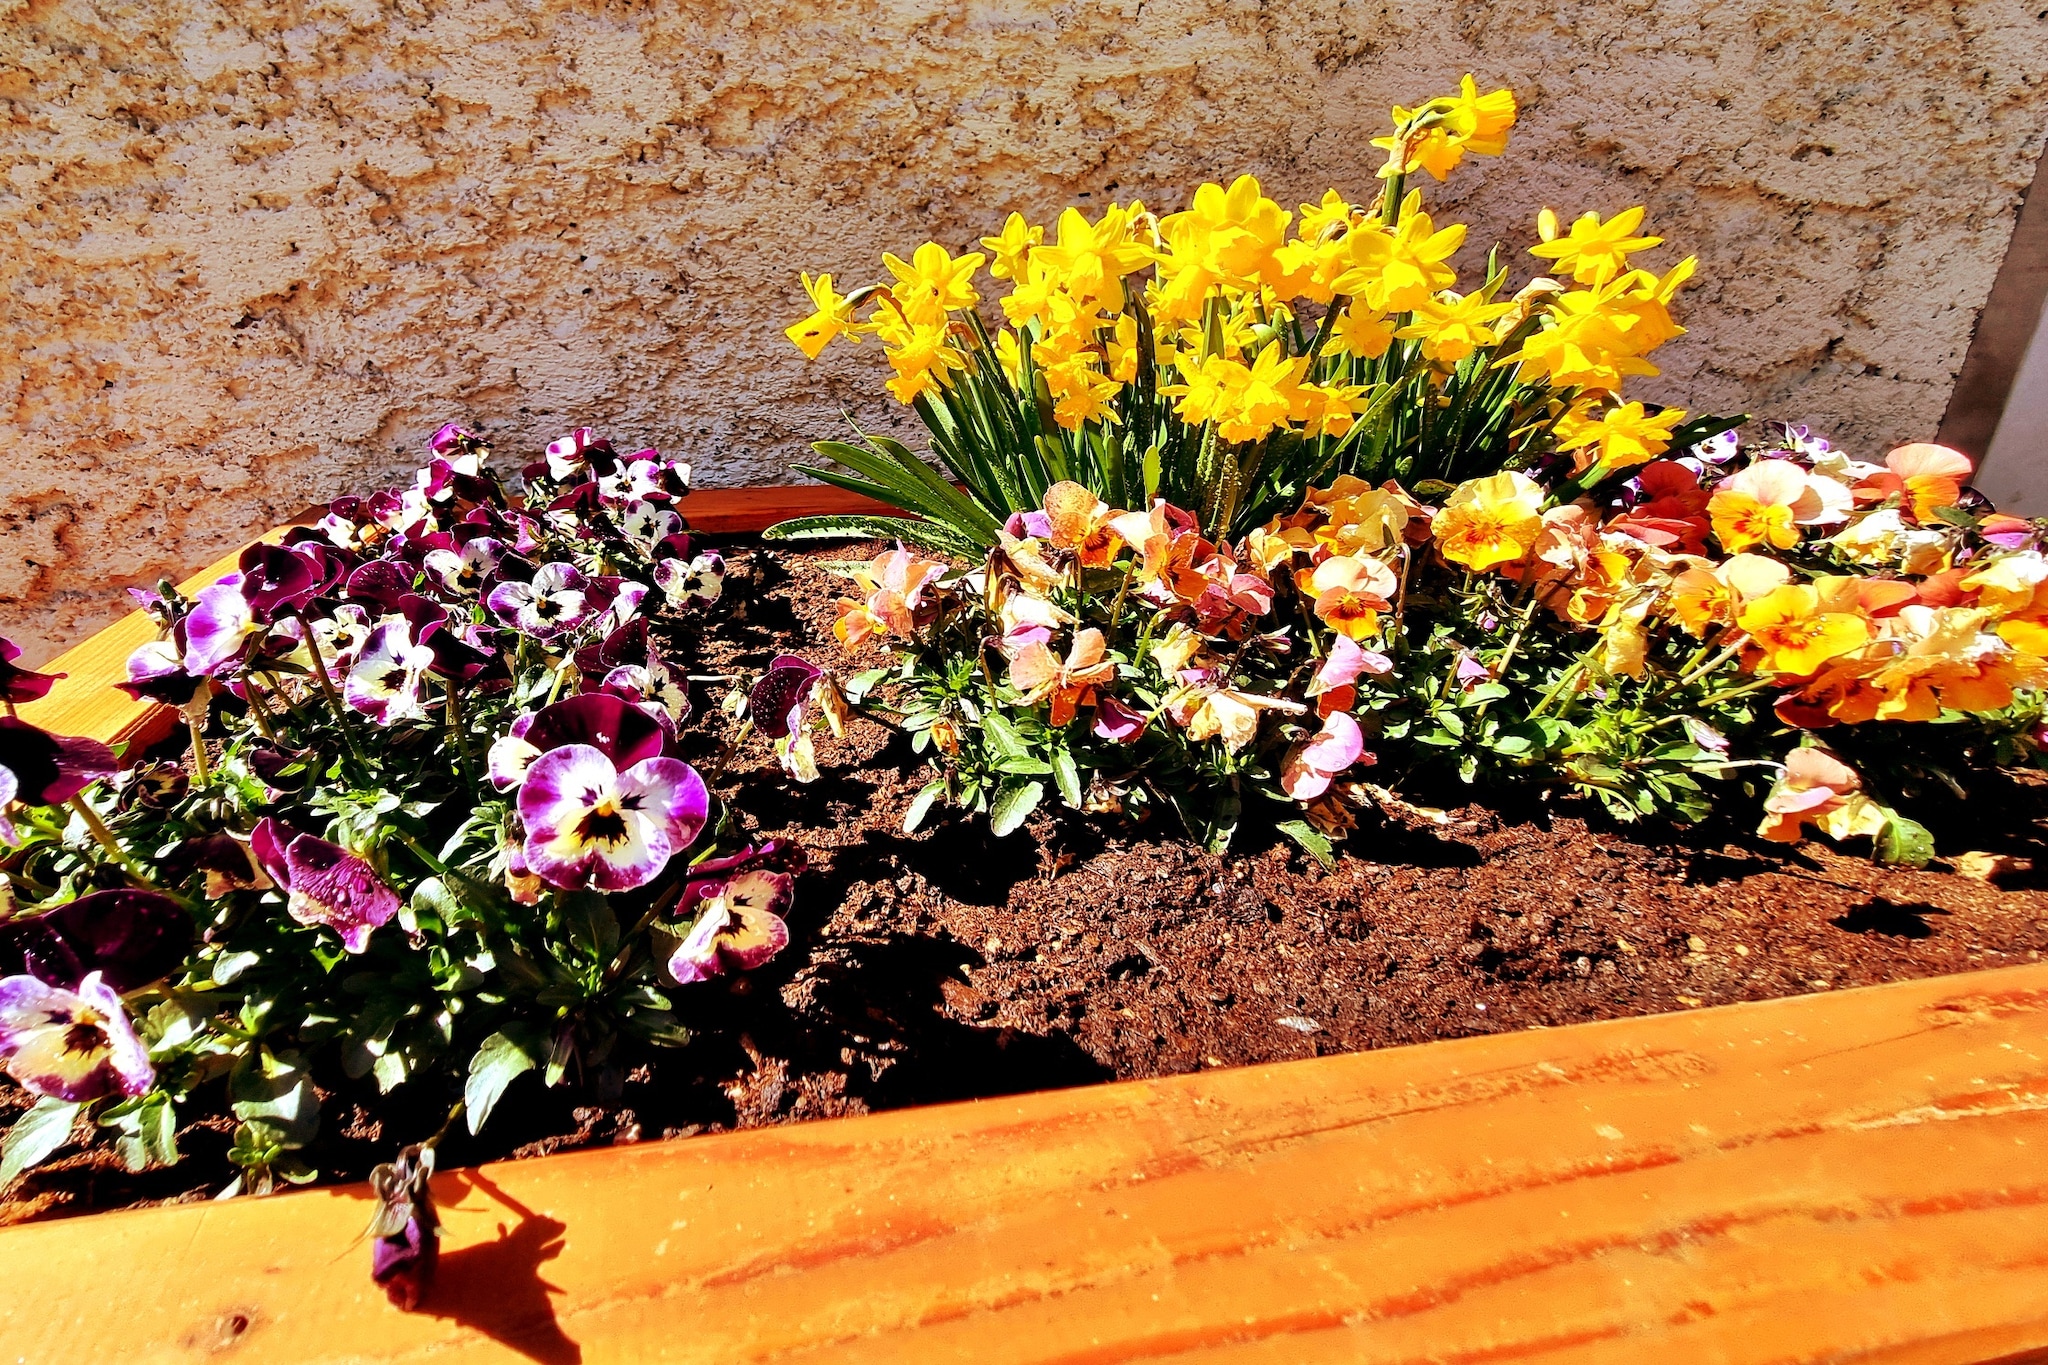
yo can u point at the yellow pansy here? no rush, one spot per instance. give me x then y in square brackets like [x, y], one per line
[1490, 521]
[1794, 636]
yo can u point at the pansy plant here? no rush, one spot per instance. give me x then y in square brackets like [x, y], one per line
[432, 819]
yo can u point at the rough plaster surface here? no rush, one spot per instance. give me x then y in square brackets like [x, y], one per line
[254, 252]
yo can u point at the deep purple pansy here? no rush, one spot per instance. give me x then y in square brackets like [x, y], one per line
[51, 768]
[738, 903]
[777, 701]
[624, 733]
[324, 883]
[277, 581]
[129, 937]
[18, 684]
[69, 1044]
[218, 630]
[590, 824]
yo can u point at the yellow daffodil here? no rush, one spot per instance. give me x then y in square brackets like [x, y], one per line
[933, 283]
[833, 316]
[1317, 219]
[1265, 399]
[1011, 246]
[1091, 259]
[1399, 270]
[1361, 332]
[1465, 122]
[1594, 252]
[1625, 436]
[1122, 350]
[1452, 326]
[1490, 521]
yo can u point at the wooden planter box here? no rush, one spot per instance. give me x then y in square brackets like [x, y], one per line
[1856, 1176]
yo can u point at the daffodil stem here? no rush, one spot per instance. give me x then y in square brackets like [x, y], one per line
[106, 840]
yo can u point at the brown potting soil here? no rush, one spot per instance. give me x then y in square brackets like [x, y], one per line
[949, 964]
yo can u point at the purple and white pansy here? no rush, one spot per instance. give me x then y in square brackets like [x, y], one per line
[616, 727]
[736, 907]
[468, 569]
[592, 825]
[388, 681]
[72, 1044]
[696, 582]
[558, 599]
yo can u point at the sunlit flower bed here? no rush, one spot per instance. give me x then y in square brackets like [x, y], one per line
[1377, 525]
[431, 823]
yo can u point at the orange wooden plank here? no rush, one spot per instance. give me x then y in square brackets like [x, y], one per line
[1848, 1176]
[85, 703]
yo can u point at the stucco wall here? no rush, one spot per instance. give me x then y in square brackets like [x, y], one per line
[254, 252]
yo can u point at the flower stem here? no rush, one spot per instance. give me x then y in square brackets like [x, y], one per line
[456, 734]
[202, 772]
[327, 690]
[107, 841]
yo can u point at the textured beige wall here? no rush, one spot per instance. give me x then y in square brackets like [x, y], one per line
[254, 252]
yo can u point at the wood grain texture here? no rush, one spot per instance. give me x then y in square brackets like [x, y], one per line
[86, 703]
[1844, 1177]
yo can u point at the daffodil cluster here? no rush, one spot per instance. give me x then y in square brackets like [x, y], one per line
[1231, 355]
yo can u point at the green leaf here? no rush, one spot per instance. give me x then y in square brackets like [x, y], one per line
[274, 1088]
[36, 1134]
[1068, 775]
[1025, 767]
[1013, 804]
[922, 806]
[925, 535]
[499, 1060]
[1904, 842]
[1311, 839]
[146, 1134]
[1003, 737]
[1452, 722]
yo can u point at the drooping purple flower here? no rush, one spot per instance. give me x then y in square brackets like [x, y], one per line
[228, 863]
[621, 598]
[404, 510]
[71, 1045]
[697, 583]
[10, 787]
[325, 884]
[218, 630]
[388, 680]
[1032, 525]
[457, 655]
[18, 684]
[588, 824]
[624, 733]
[777, 701]
[738, 903]
[1311, 766]
[156, 672]
[129, 938]
[452, 438]
[558, 599]
[405, 1233]
[48, 768]
[447, 475]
